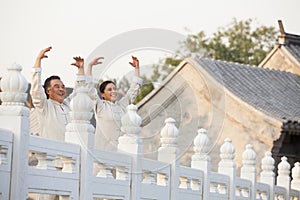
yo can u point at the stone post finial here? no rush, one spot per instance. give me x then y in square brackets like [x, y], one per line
[169, 133]
[227, 165]
[267, 175]
[80, 131]
[131, 121]
[267, 165]
[201, 159]
[14, 86]
[227, 150]
[284, 167]
[248, 170]
[283, 178]
[249, 156]
[168, 151]
[81, 106]
[14, 117]
[201, 145]
[296, 176]
[131, 127]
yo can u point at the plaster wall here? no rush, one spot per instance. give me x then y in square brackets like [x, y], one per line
[200, 102]
[279, 60]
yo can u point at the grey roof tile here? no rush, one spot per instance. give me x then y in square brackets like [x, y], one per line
[292, 44]
[294, 49]
[273, 92]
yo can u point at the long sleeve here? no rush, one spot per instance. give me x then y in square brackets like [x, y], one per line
[133, 91]
[93, 94]
[37, 90]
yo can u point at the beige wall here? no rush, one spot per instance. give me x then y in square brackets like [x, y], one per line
[280, 60]
[203, 103]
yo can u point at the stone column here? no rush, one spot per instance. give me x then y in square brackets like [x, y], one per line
[168, 152]
[201, 159]
[267, 175]
[248, 170]
[131, 144]
[283, 178]
[227, 165]
[296, 177]
[81, 132]
[14, 116]
[131, 128]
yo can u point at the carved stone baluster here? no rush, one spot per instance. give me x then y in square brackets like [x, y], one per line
[201, 159]
[248, 170]
[283, 178]
[267, 175]
[227, 165]
[131, 144]
[121, 173]
[296, 176]
[168, 152]
[14, 116]
[81, 132]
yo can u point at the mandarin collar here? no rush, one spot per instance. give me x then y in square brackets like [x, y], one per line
[55, 102]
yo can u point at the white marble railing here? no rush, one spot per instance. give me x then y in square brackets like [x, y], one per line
[190, 183]
[73, 169]
[53, 167]
[111, 175]
[262, 191]
[156, 177]
[243, 189]
[219, 186]
[6, 139]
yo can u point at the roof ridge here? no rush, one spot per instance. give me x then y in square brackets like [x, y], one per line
[249, 65]
[270, 89]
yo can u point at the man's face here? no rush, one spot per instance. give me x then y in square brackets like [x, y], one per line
[57, 90]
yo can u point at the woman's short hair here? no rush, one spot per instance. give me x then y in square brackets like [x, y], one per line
[47, 83]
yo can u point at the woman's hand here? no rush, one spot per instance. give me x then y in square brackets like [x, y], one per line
[135, 62]
[95, 61]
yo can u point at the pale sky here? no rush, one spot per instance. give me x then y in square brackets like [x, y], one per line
[77, 28]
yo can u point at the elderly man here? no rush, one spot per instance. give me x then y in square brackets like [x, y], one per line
[50, 100]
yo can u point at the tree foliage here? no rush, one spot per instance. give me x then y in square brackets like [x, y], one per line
[147, 87]
[124, 84]
[240, 42]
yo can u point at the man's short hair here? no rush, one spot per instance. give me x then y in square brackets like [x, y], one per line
[47, 83]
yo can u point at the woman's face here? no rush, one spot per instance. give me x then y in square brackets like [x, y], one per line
[110, 93]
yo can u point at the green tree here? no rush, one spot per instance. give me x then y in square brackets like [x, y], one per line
[124, 84]
[147, 87]
[239, 42]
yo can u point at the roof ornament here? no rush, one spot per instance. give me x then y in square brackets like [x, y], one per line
[281, 38]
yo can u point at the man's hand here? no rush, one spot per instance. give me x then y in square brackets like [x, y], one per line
[79, 62]
[41, 55]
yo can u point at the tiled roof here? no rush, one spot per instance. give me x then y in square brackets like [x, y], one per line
[273, 92]
[292, 44]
